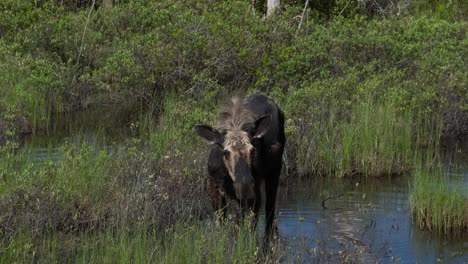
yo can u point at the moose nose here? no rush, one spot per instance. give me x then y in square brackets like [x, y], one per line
[244, 191]
[242, 171]
[244, 184]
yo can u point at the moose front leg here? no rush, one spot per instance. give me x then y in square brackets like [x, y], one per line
[256, 204]
[250, 209]
[218, 201]
[271, 187]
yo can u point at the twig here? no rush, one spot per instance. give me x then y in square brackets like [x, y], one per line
[344, 8]
[303, 13]
[82, 37]
[331, 197]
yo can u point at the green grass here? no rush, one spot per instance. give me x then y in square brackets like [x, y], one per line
[90, 186]
[82, 170]
[439, 202]
[183, 243]
[371, 141]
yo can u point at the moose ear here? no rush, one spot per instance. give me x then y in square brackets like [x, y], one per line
[262, 124]
[209, 134]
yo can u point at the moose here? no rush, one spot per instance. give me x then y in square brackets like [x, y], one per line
[246, 150]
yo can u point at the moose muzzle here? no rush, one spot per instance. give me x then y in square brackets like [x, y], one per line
[244, 182]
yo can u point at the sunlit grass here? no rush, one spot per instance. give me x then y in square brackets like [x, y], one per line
[439, 202]
[183, 243]
[376, 141]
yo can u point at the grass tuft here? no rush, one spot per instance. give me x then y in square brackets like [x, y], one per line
[439, 202]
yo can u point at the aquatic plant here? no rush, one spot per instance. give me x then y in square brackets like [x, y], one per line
[371, 140]
[439, 202]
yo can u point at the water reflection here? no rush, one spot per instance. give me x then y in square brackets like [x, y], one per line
[369, 223]
[41, 149]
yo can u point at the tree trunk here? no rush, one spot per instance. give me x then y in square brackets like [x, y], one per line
[107, 3]
[272, 5]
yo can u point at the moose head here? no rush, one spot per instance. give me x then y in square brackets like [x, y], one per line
[239, 153]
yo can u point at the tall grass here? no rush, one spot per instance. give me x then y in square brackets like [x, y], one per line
[90, 186]
[183, 243]
[83, 169]
[374, 140]
[174, 133]
[439, 202]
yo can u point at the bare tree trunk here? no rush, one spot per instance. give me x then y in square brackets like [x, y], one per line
[272, 5]
[107, 3]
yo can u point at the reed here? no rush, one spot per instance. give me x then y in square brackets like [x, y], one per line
[372, 140]
[439, 202]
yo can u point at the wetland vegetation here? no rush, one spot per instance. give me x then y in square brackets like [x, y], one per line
[370, 91]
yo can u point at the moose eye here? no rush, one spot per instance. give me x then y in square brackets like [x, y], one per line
[226, 154]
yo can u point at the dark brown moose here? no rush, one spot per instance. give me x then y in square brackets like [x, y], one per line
[247, 149]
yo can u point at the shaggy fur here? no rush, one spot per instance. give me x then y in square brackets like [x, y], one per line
[235, 115]
[247, 149]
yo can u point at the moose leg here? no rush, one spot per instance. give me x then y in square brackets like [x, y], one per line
[218, 202]
[255, 205]
[271, 188]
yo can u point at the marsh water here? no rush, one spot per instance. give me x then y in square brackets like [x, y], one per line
[349, 220]
[366, 223]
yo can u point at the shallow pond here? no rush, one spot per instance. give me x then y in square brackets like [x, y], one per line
[365, 223]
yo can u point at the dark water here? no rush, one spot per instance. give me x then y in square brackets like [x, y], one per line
[368, 223]
[42, 149]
